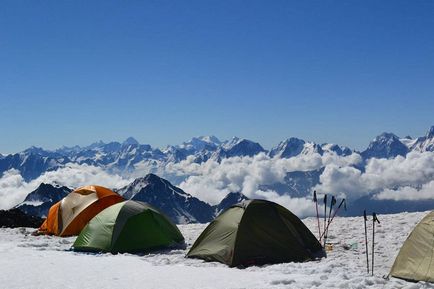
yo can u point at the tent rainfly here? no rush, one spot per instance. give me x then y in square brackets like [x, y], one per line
[256, 232]
[131, 227]
[69, 216]
[415, 260]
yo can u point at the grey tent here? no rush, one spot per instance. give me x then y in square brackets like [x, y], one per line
[256, 232]
[415, 260]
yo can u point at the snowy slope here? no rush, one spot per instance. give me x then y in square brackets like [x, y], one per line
[180, 206]
[46, 262]
[38, 202]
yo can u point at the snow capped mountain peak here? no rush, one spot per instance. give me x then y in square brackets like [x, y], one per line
[94, 145]
[425, 143]
[130, 141]
[42, 198]
[230, 143]
[339, 150]
[210, 139]
[386, 145]
[174, 202]
[386, 137]
[430, 133]
[131, 190]
[200, 143]
[34, 150]
[230, 200]
[288, 148]
[237, 147]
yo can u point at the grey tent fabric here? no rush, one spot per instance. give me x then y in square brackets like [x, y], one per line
[256, 232]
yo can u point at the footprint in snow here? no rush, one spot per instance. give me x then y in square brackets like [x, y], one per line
[282, 282]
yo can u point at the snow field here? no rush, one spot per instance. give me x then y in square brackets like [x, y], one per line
[27, 261]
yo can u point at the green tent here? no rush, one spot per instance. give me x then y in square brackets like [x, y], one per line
[415, 260]
[256, 232]
[129, 226]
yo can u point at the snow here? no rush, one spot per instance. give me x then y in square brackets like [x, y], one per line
[27, 261]
[32, 203]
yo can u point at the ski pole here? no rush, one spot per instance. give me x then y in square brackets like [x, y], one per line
[343, 202]
[325, 214]
[366, 241]
[317, 214]
[374, 219]
[332, 203]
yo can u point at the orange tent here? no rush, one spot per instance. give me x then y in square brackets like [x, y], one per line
[69, 216]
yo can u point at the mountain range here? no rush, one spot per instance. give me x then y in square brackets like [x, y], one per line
[178, 205]
[130, 156]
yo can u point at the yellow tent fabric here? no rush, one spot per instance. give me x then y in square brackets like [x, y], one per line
[415, 261]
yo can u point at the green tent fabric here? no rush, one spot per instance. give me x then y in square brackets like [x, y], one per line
[256, 232]
[129, 226]
[415, 260]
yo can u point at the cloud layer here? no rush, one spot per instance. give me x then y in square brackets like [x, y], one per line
[382, 175]
[14, 189]
[401, 178]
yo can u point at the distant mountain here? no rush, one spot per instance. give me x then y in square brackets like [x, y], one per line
[198, 144]
[386, 145]
[32, 163]
[237, 148]
[425, 143]
[294, 146]
[288, 148]
[371, 204]
[229, 200]
[38, 202]
[339, 150]
[174, 202]
[131, 156]
[127, 156]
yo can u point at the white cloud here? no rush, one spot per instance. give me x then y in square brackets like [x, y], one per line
[426, 192]
[416, 169]
[212, 181]
[299, 206]
[14, 189]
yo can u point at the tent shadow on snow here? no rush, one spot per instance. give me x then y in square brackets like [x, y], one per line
[256, 232]
[129, 227]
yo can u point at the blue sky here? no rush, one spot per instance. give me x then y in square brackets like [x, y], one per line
[73, 72]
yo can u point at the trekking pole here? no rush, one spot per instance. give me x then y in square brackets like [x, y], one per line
[343, 202]
[366, 241]
[325, 214]
[374, 219]
[317, 214]
[332, 203]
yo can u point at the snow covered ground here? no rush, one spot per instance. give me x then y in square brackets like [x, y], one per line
[46, 262]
